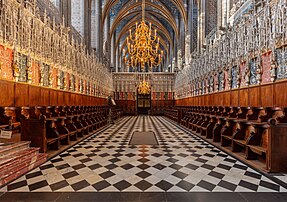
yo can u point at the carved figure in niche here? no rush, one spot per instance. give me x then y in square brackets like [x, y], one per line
[173, 64]
[45, 75]
[29, 70]
[61, 80]
[259, 73]
[247, 76]
[273, 68]
[230, 77]
[216, 83]
[211, 84]
[20, 67]
[72, 85]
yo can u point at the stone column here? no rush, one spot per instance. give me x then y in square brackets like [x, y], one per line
[97, 27]
[107, 41]
[182, 35]
[189, 20]
[65, 10]
[87, 23]
[175, 50]
[201, 25]
[117, 59]
[112, 53]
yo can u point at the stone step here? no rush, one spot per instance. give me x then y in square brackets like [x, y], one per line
[8, 148]
[12, 157]
[28, 157]
[24, 168]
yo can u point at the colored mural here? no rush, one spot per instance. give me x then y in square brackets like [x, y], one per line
[6, 55]
[35, 73]
[266, 67]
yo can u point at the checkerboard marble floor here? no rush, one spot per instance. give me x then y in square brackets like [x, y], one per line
[105, 162]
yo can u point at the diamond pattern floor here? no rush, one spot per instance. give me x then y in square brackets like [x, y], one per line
[106, 162]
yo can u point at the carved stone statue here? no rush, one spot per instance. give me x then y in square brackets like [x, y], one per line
[247, 76]
[173, 64]
[259, 73]
[179, 59]
[273, 68]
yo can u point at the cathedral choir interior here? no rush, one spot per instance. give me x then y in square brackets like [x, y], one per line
[150, 100]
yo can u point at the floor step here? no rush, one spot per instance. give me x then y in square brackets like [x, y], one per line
[13, 166]
[24, 168]
[12, 157]
[8, 148]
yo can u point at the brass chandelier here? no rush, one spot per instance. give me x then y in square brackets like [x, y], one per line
[143, 47]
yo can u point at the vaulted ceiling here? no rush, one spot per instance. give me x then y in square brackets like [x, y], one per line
[163, 14]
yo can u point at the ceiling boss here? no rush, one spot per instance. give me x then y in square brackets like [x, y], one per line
[144, 47]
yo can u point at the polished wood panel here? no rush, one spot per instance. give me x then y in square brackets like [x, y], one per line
[254, 96]
[7, 93]
[243, 97]
[53, 97]
[20, 94]
[35, 96]
[45, 96]
[281, 94]
[234, 98]
[272, 94]
[267, 96]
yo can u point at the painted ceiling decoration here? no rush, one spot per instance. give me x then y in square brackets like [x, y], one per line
[125, 11]
[163, 14]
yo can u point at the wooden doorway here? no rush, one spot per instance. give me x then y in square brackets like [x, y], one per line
[143, 103]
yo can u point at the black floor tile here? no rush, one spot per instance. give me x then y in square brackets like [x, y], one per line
[185, 185]
[180, 175]
[206, 185]
[35, 174]
[79, 166]
[251, 174]
[80, 185]
[143, 174]
[270, 186]
[95, 166]
[248, 185]
[191, 166]
[70, 174]
[143, 185]
[59, 185]
[227, 185]
[38, 185]
[60, 167]
[164, 185]
[101, 185]
[107, 174]
[122, 185]
[216, 174]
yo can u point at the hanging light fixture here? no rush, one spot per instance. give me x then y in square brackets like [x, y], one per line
[144, 47]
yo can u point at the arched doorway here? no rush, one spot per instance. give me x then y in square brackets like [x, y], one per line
[143, 98]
